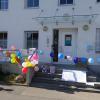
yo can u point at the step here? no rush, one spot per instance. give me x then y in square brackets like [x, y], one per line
[57, 81]
[48, 75]
[91, 79]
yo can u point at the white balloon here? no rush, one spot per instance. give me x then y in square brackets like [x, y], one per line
[24, 64]
[36, 69]
[69, 58]
[29, 57]
[34, 62]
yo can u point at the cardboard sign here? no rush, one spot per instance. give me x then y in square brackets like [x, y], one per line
[74, 76]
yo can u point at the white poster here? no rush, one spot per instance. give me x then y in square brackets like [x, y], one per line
[74, 75]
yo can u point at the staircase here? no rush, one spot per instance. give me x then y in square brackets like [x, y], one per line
[56, 79]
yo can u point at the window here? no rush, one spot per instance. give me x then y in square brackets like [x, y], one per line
[62, 2]
[31, 38]
[3, 4]
[68, 40]
[98, 0]
[32, 3]
[97, 43]
[3, 40]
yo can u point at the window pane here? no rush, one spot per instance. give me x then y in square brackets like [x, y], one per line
[36, 3]
[30, 3]
[29, 43]
[6, 5]
[5, 36]
[1, 36]
[62, 1]
[69, 1]
[3, 40]
[29, 36]
[3, 4]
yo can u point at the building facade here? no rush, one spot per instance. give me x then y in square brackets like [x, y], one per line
[71, 27]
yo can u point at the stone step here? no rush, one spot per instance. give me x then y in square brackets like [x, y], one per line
[56, 81]
[48, 75]
[91, 78]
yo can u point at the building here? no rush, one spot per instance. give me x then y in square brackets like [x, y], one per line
[68, 26]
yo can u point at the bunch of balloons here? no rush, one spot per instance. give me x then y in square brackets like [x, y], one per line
[30, 62]
[15, 59]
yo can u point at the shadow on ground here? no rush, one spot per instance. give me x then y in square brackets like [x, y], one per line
[3, 89]
[64, 88]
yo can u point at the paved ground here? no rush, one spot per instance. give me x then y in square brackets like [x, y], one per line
[10, 92]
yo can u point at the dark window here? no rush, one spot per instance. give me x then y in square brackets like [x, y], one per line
[66, 2]
[98, 0]
[32, 3]
[3, 40]
[3, 4]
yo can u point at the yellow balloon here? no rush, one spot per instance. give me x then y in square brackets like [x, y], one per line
[13, 55]
[13, 61]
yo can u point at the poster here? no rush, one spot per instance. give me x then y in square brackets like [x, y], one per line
[68, 39]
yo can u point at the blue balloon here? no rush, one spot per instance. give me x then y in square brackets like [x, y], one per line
[84, 60]
[76, 60]
[60, 56]
[51, 54]
[91, 60]
[40, 52]
[18, 53]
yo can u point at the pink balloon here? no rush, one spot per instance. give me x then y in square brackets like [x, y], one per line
[34, 57]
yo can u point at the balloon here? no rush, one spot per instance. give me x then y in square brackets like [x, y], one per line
[36, 68]
[34, 62]
[13, 61]
[7, 54]
[24, 70]
[40, 52]
[60, 55]
[69, 58]
[18, 53]
[76, 60]
[34, 57]
[24, 64]
[17, 60]
[0, 48]
[91, 60]
[13, 47]
[29, 57]
[84, 60]
[51, 54]
[13, 55]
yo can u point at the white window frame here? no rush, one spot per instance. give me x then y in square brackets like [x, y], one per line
[66, 3]
[33, 32]
[97, 41]
[3, 2]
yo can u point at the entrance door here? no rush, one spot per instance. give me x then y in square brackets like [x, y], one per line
[67, 44]
[55, 44]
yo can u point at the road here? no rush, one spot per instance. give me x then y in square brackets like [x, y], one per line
[12, 92]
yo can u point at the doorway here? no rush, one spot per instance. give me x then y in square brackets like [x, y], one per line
[55, 44]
